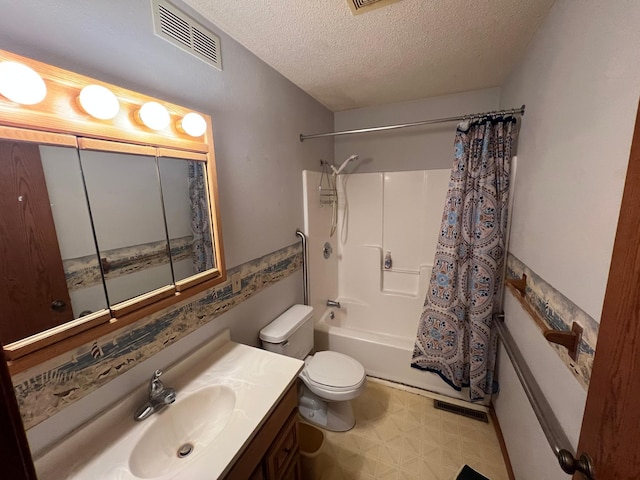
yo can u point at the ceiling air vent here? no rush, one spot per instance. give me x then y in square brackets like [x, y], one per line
[184, 32]
[363, 6]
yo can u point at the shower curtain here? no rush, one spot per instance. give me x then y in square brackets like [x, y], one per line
[202, 246]
[455, 337]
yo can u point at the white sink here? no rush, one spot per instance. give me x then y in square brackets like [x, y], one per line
[224, 392]
[182, 431]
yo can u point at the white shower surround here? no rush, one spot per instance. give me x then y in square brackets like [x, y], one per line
[376, 324]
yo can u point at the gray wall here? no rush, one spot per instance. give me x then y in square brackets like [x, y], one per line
[257, 117]
[580, 80]
[420, 148]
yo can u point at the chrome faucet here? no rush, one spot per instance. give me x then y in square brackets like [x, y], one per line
[159, 397]
[333, 303]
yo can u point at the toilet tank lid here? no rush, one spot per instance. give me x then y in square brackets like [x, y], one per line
[287, 323]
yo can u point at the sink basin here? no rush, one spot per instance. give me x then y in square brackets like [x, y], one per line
[182, 431]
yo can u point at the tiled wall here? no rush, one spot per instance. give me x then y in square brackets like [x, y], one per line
[48, 388]
[558, 312]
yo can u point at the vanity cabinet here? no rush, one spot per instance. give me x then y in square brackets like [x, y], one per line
[274, 452]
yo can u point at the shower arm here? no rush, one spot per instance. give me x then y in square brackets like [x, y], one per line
[336, 171]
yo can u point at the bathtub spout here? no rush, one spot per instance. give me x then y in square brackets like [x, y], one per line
[333, 303]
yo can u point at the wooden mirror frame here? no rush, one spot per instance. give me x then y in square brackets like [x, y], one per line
[60, 120]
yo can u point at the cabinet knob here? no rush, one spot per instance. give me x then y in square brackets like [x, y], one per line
[58, 306]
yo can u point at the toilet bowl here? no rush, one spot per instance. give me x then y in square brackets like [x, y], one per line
[330, 380]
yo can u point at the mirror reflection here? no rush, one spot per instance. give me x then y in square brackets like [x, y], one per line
[186, 201]
[50, 269]
[126, 207]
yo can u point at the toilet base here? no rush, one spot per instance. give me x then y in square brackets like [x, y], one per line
[332, 416]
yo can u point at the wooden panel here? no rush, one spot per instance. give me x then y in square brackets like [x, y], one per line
[258, 446]
[196, 157]
[258, 473]
[136, 303]
[104, 146]
[283, 449]
[34, 136]
[193, 280]
[15, 456]
[60, 112]
[41, 340]
[82, 338]
[611, 423]
[294, 471]
[503, 445]
[214, 202]
[31, 269]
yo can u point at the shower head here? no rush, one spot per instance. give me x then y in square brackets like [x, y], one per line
[336, 171]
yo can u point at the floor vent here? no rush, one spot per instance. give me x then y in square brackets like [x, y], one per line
[362, 6]
[184, 32]
[464, 411]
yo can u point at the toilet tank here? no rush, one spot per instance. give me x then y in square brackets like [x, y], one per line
[290, 334]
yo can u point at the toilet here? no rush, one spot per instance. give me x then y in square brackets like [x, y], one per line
[330, 380]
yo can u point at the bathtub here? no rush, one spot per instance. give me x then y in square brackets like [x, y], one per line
[383, 355]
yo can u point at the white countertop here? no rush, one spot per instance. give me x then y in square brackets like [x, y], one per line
[101, 448]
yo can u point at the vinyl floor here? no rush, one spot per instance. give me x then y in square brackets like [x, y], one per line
[400, 435]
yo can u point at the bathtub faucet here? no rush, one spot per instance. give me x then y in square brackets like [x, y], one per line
[333, 303]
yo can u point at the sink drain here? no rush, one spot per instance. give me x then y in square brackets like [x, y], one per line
[185, 450]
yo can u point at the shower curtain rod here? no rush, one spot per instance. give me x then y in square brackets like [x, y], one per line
[513, 111]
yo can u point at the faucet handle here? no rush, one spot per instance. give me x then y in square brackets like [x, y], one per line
[156, 386]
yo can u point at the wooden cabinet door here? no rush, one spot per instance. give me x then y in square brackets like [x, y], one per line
[611, 424]
[294, 472]
[283, 450]
[31, 272]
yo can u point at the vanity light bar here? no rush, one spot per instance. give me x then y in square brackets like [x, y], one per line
[192, 124]
[154, 116]
[23, 85]
[99, 102]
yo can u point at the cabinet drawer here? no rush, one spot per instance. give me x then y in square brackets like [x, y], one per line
[284, 448]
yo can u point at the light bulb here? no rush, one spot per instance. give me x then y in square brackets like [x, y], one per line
[21, 84]
[193, 124]
[154, 116]
[99, 102]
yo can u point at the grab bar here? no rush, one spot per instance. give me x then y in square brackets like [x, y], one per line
[305, 262]
[556, 437]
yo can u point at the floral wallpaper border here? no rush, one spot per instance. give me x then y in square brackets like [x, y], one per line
[83, 272]
[48, 388]
[558, 313]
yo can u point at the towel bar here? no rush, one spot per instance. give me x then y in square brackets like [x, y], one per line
[550, 426]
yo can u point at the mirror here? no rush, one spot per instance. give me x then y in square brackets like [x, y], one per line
[50, 269]
[84, 245]
[127, 211]
[186, 201]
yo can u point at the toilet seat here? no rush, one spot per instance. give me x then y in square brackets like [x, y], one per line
[333, 376]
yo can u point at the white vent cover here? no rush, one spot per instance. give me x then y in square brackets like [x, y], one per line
[362, 6]
[184, 32]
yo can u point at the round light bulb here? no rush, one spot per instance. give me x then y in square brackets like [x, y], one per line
[193, 124]
[21, 84]
[99, 102]
[154, 116]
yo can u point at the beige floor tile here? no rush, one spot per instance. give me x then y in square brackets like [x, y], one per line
[399, 435]
[387, 471]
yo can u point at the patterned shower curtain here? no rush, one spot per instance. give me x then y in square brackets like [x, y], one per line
[456, 338]
[200, 219]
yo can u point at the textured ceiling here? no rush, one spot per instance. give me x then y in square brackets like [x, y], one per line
[407, 50]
